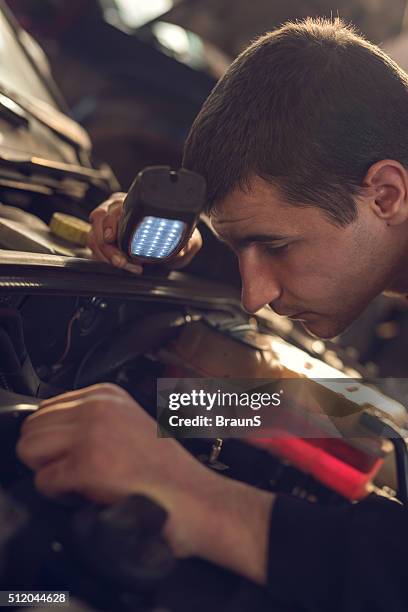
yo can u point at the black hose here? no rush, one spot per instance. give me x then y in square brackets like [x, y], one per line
[126, 344]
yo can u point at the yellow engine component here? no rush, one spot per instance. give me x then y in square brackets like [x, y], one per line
[70, 228]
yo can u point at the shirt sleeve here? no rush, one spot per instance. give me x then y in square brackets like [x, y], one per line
[343, 559]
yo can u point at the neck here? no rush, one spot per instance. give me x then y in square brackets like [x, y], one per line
[399, 285]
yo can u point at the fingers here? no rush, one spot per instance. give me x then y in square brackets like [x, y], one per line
[94, 246]
[118, 259]
[118, 196]
[194, 245]
[110, 222]
[58, 426]
[60, 414]
[104, 221]
[112, 255]
[105, 226]
[185, 256]
[97, 225]
[58, 478]
[96, 442]
[67, 476]
[83, 441]
[80, 394]
[103, 236]
[47, 445]
[63, 409]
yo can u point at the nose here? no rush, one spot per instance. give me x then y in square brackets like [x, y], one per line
[260, 284]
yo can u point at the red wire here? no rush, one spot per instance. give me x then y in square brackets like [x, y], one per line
[76, 316]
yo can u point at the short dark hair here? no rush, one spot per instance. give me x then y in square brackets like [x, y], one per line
[308, 107]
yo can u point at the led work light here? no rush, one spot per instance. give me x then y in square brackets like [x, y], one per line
[160, 213]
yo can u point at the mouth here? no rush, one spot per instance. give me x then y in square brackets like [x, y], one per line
[294, 316]
[300, 316]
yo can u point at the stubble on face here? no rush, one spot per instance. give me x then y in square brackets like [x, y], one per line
[329, 272]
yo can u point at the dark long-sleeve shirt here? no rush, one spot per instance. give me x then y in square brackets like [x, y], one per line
[322, 558]
[346, 559]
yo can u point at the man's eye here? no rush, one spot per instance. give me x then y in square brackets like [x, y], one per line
[275, 250]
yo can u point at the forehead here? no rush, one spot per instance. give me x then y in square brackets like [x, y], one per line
[261, 208]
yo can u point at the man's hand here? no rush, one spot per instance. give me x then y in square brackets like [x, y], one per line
[102, 239]
[98, 442]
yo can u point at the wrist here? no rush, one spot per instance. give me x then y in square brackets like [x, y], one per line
[225, 522]
[190, 513]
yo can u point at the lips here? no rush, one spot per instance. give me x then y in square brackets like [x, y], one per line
[295, 316]
[282, 313]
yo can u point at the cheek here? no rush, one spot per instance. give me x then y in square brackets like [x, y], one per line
[325, 283]
[341, 290]
[303, 275]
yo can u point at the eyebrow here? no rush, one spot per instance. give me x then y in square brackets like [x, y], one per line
[245, 240]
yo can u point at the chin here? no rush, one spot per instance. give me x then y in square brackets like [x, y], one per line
[324, 328]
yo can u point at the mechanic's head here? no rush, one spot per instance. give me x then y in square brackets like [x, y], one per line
[304, 145]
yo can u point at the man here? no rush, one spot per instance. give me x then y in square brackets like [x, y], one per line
[304, 146]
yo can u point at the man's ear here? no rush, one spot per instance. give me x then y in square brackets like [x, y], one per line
[387, 181]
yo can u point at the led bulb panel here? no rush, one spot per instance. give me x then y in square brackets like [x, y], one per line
[157, 237]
